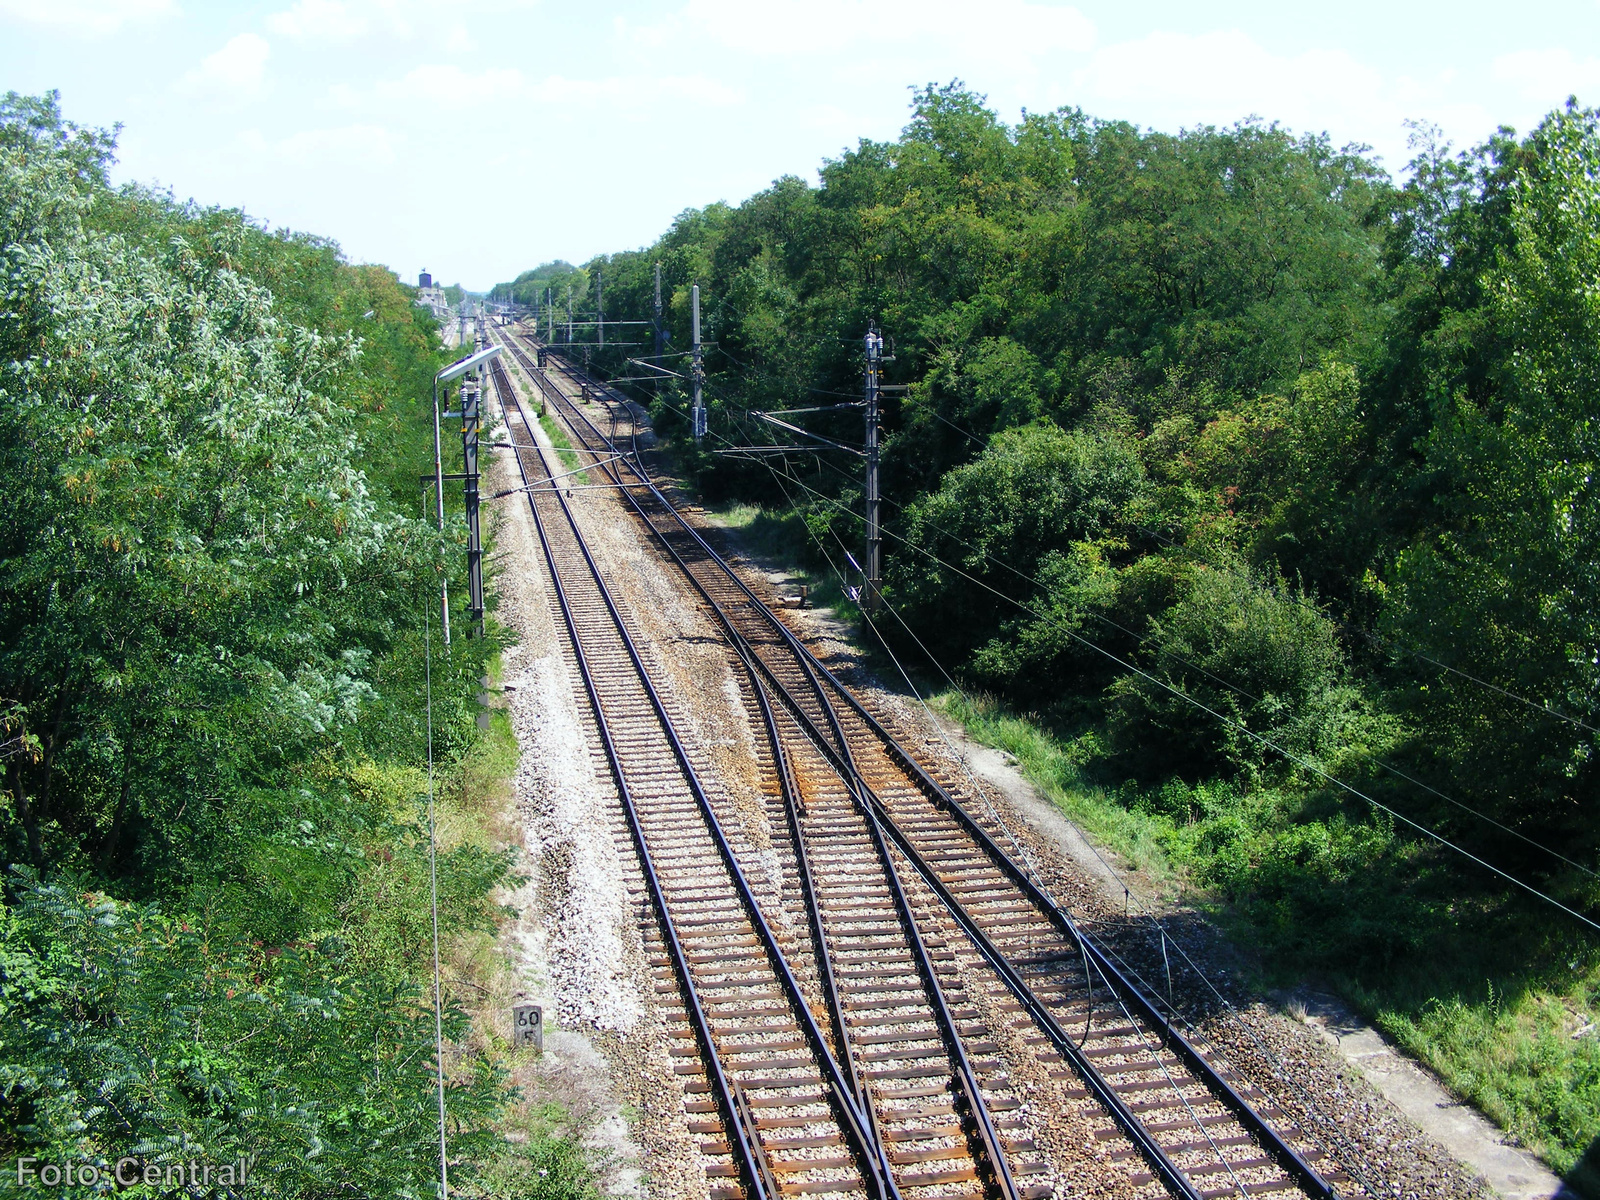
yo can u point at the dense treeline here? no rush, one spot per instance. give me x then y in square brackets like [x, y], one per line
[563, 280]
[213, 580]
[1309, 452]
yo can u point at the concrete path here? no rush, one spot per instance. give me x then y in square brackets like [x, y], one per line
[1513, 1174]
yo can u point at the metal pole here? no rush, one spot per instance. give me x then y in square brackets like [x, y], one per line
[438, 491]
[599, 305]
[660, 330]
[470, 394]
[569, 314]
[869, 593]
[697, 373]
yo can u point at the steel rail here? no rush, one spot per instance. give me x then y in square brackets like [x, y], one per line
[988, 1153]
[790, 792]
[879, 820]
[1169, 1172]
[858, 1131]
[743, 1137]
[1287, 1157]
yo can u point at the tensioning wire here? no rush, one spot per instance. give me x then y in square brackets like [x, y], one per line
[1261, 739]
[1105, 620]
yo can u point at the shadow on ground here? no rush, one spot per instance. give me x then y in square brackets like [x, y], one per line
[1584, 1179]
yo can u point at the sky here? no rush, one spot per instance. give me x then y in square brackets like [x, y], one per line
[478, 138]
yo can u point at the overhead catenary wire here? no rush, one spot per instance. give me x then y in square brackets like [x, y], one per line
[835, 568]
[1538, 705]
[1246, 694]
[1506, 692]
[1011, 836]
[1213, 676]
[1260, 739]
[1310, 1101]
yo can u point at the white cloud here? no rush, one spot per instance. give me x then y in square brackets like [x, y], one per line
[1020, 29]
[1171, 79]
[87, 16]
[449, 86]
[320, 20]
[1549, 76]
[337, 21]
[236, 71]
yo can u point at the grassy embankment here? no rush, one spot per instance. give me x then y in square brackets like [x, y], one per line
[778, 539]
[557, 434]
[1507, 1039]
[1510, 1041]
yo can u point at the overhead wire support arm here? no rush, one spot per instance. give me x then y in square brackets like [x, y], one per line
[472, 362]
[697, 371]
[747, 451]
[650, 366]
[552, 478]
[853, 406]
[791, 428]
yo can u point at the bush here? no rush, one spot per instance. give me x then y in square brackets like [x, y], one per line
[1028, 501]
[128, 1031]
[1261, 663]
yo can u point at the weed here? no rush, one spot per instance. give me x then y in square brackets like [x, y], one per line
[563, 444]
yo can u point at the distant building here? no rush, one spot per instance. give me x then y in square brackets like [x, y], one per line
[432, 297]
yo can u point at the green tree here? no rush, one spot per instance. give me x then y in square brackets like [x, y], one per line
[1507, 590]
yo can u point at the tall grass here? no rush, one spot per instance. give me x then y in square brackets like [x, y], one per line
[1520, 1044]
[557, 434]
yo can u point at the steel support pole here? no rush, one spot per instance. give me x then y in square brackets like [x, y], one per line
[600, 305]
[471, 393]
[870, 597]
[438, 492]
[660, 331]
[697, 372]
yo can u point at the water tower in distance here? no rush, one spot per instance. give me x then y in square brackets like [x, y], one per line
[431, 296]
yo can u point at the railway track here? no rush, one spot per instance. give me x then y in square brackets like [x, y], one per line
[786, 1118]
[929, 946]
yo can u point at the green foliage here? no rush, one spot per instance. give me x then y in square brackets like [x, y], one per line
[1508, 588]
[1265, 665]
[529, 287]
[1208, 440]
[128, 1031]
[1038, 500]
[214, 575]
[1529, 1060]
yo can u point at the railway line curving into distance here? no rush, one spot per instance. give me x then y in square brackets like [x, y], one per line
[901, 1009]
